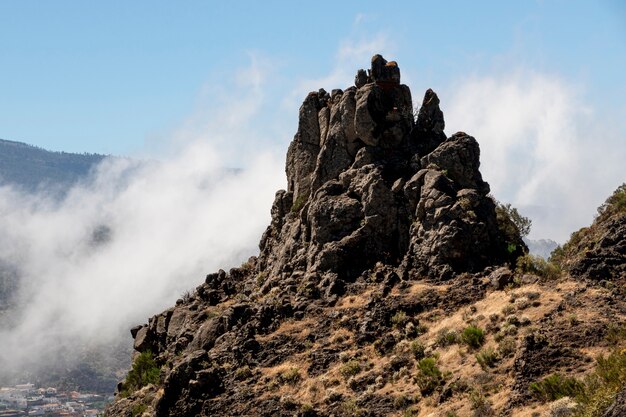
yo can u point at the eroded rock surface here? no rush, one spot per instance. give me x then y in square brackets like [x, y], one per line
[382, 187]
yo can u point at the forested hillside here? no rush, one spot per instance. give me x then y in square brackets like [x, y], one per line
[30, 167]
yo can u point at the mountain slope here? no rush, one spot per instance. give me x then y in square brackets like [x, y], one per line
[385, 285]
[30, 167]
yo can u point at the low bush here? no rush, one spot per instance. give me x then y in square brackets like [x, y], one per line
[429, 377]
[143, 372]
[291, 376]
[401, 401]
[480, 404]
[507, 346]
[529, 264]
[243, 373]
[417, 349]
[473, 336]
[138, 409]
[487, 358]
[399, 319]
[307, 410]
[447, 337]
[350, 368]
[557, 386]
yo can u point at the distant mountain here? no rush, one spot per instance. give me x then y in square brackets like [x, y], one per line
[541, 247]
[31, 168]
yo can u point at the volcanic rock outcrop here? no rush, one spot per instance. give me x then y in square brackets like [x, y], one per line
[377, 198]
[368, 183]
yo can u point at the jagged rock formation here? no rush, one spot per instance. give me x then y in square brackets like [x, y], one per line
[367, 183]
[381, 254]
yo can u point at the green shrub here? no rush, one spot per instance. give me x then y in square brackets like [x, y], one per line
[616, 334]
[511, 221]
[611, 370]
[243, 373]
[299, 203]
[410, 412]
[291, 376]
[616, 203]
[138, 409]
[529, 264]
[399, 319]
[487, 358]
[606, 381]
[260, 278]
[447, 337]
[417, 349]
[507, 346]
[477, 399]
[429, 376]
[350, 408]
[473, 336]
[479, 403]
[401, 401]
[143, 372]
[556, 386]
[307, 410]
[350, 368]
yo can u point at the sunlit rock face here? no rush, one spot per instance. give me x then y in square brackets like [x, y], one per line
[368, 182]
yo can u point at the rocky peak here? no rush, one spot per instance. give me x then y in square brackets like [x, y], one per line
[374, 283]
[368, 182]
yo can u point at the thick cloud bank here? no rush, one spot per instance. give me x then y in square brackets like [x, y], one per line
[126, 245]
[544, 148]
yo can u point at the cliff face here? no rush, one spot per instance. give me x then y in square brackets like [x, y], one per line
[379, 281]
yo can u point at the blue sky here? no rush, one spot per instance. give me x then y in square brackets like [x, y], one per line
[106, 76]
[541, 84]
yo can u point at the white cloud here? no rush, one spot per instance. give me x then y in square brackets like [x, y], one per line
[170, 222]
[543, 148]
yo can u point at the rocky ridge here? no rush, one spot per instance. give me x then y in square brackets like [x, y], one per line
[385, 285]
[598, 252]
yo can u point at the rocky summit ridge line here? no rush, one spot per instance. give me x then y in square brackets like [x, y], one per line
[384, 246]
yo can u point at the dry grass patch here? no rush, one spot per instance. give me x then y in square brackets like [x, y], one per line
[419, 288]
[354, 301]
[341, 335]
[298, 329]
